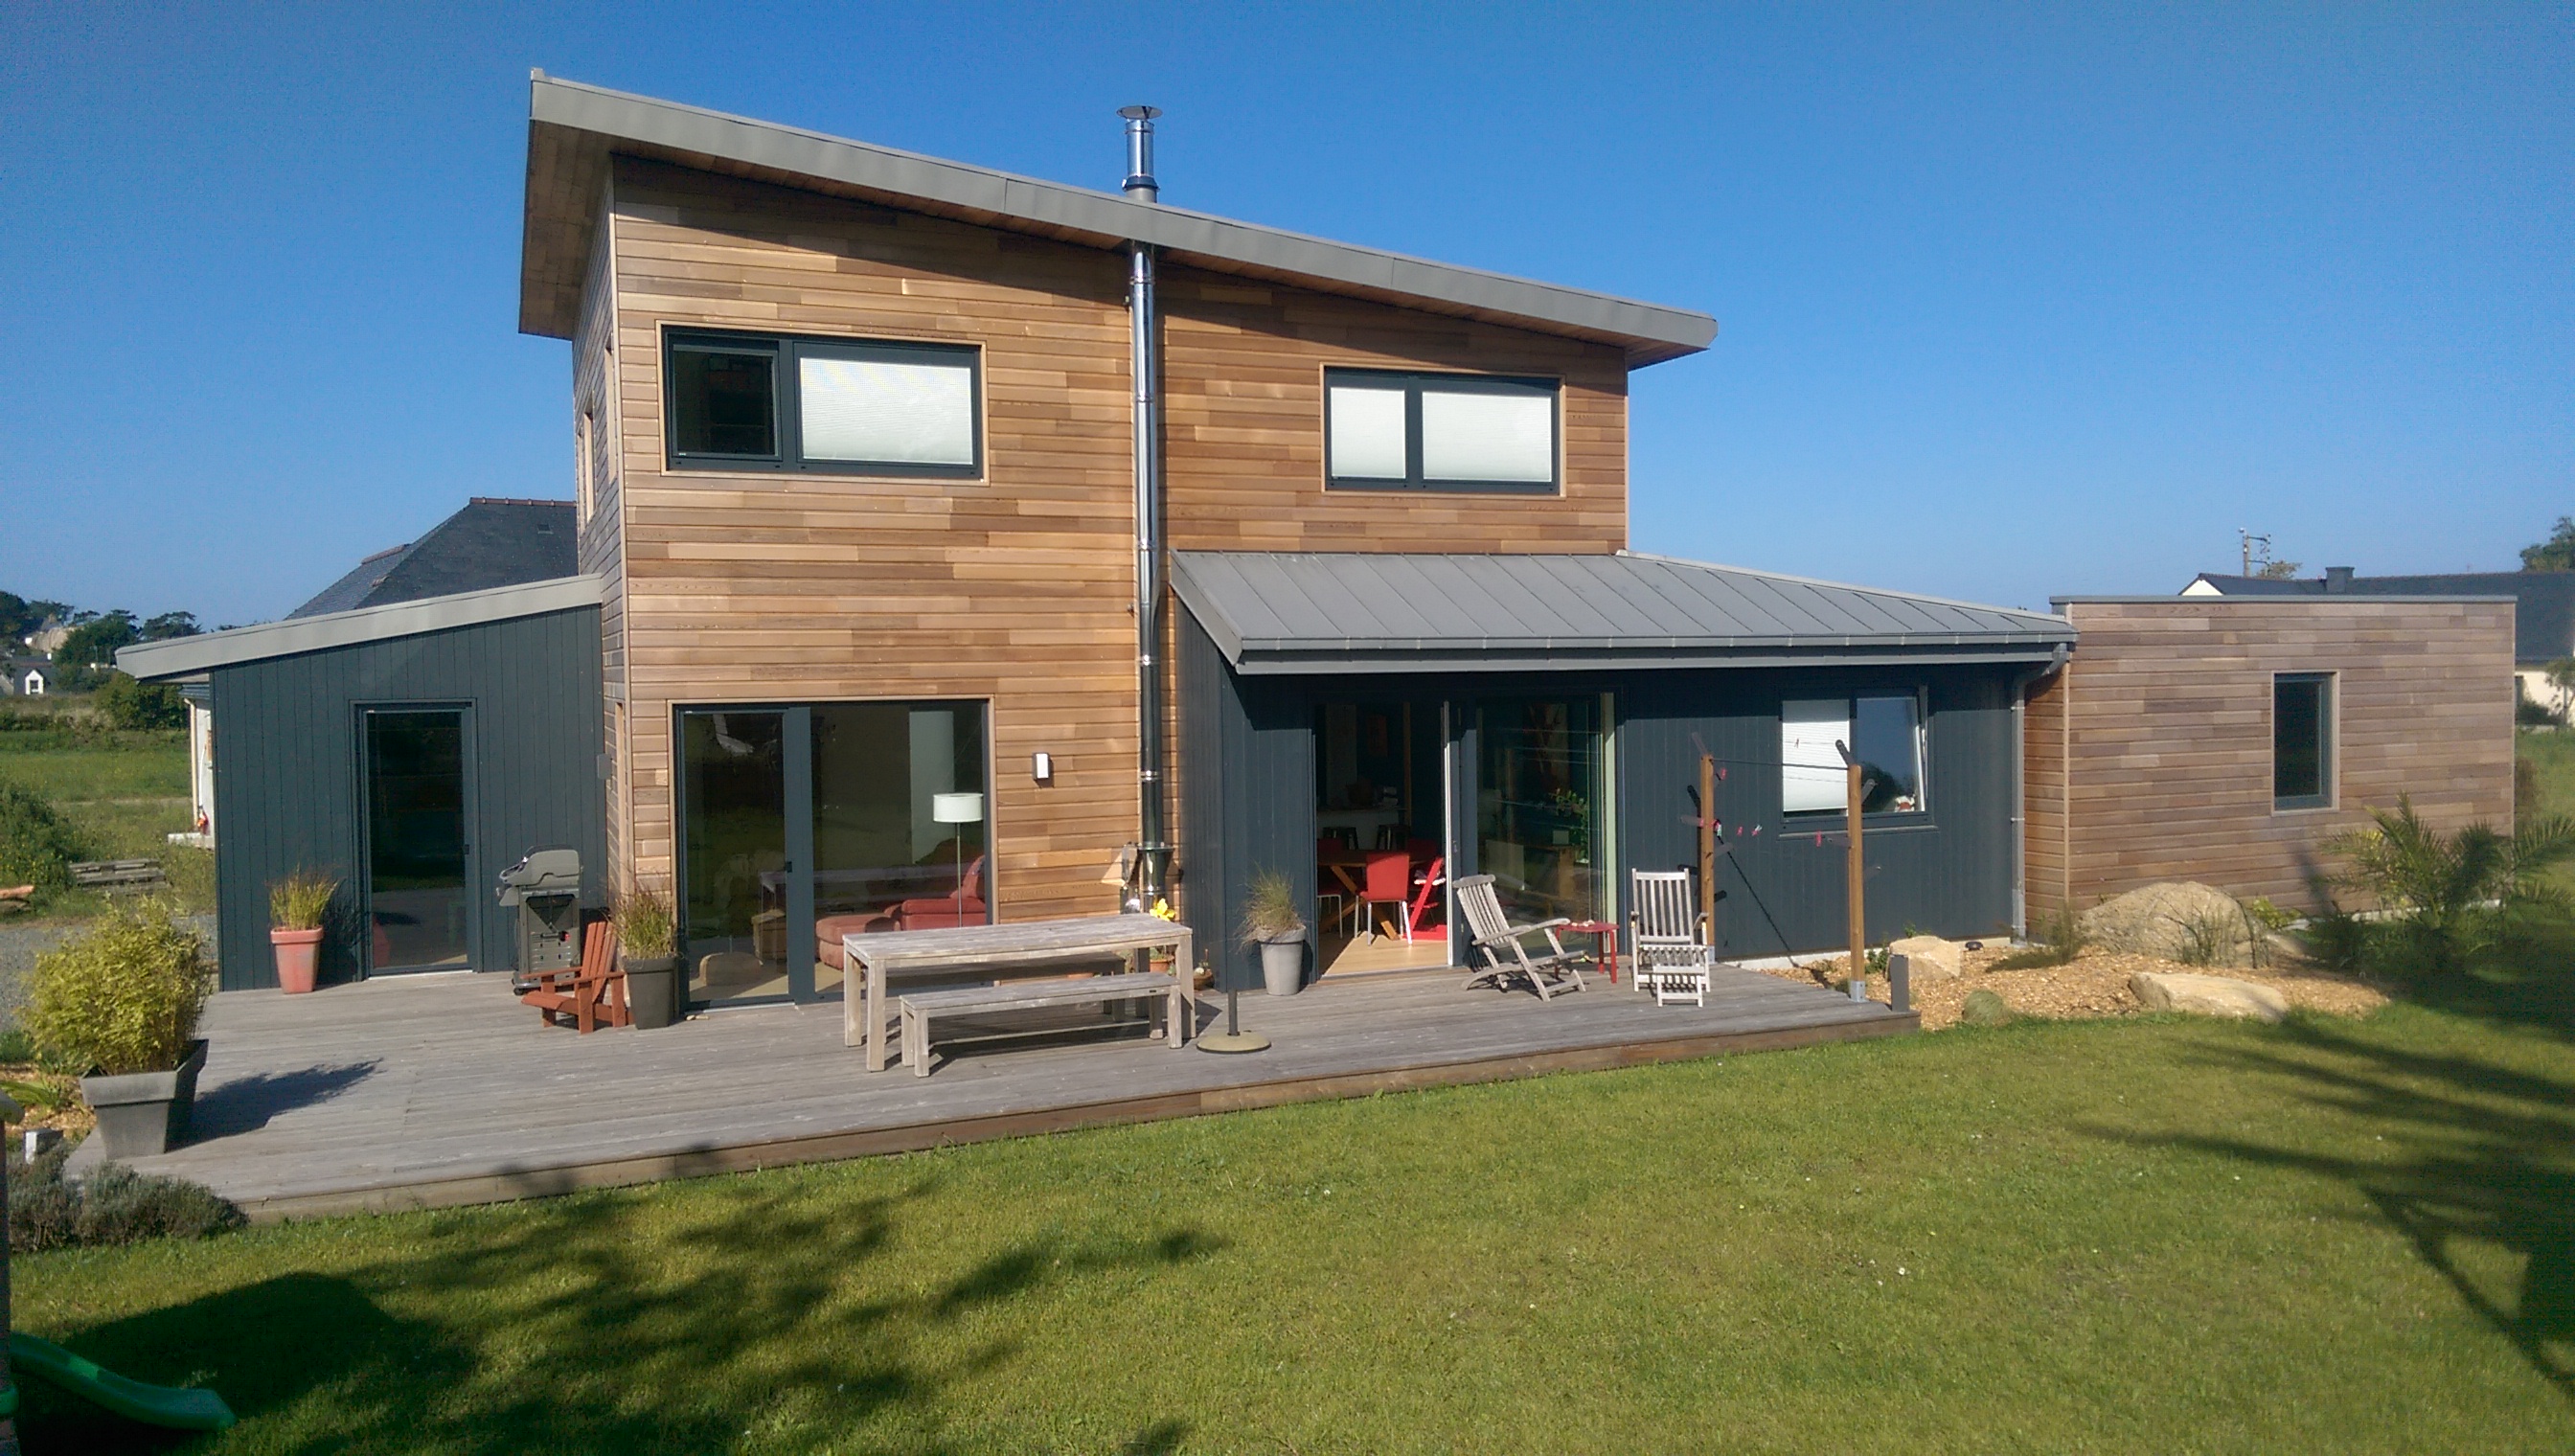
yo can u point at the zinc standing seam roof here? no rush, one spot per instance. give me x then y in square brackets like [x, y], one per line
[1402, 612]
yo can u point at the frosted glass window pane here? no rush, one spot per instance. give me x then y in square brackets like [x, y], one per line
[1367, 433]
[882, 411]
[1487, 436]
[1811, 768]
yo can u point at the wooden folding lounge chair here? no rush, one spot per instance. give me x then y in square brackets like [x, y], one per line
[591, 995]
[1501, 944]
[1668, 937]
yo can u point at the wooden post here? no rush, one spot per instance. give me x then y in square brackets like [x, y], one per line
[1708, 849]
[1858, 894]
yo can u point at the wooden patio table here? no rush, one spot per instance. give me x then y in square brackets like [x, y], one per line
[1021, 947]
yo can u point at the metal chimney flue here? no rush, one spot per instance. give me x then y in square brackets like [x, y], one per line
[1139, 182]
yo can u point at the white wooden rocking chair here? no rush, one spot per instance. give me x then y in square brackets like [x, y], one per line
[1668, 937]
[1499, 944]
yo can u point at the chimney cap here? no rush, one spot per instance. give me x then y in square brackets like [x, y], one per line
[1139, 113]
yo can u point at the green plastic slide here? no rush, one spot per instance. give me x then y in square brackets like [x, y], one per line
[187, 1409]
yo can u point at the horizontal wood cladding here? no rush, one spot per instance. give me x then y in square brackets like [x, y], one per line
[1015, 589]
[2163, 719]
[2043, 790]
[1242, 417]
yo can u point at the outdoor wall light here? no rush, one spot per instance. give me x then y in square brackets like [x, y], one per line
[1042, 767]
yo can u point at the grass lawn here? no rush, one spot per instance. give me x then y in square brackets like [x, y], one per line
[122, 792]
[2134, 1235]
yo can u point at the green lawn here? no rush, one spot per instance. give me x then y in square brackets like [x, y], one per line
[123, 793]
[2140, 1235]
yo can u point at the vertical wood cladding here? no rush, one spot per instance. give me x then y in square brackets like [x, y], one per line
[288, 771]
[1015, 589]
[1242, 413]
[2164, 719]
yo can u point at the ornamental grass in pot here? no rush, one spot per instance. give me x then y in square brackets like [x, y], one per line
[648, 952]
[121, 1004]
[297, 907]
[1271, 921]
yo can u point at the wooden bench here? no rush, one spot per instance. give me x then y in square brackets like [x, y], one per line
[120, 876]
[919, 1006]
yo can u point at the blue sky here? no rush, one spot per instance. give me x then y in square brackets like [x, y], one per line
[2014, 301]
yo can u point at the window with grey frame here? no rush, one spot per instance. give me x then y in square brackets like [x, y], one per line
[1385, 430]
[793, 403]
[2302, 739]
[1884, 730]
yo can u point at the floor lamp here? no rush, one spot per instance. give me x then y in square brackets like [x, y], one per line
[958, 809]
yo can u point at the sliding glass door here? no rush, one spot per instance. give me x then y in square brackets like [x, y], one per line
[804, 822]
[1542, 806]
[420, 908]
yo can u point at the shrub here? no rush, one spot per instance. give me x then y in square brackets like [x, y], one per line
[36, 846]
[123, 998]
[127, 704]
[113, 1206]
[645, 927]
[299, 900]
[2442, 891]
[2059, 941]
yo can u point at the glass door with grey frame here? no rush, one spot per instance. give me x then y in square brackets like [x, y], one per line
[419, 876]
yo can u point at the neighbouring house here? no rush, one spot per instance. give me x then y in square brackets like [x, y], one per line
[440, 698]
[952, 534]
[2227, 739]
[2544, 636]
[28, 677]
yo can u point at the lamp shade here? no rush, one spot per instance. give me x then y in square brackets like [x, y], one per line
[957, 808]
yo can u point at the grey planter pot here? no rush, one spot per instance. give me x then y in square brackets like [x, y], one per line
[653, 990]
[1282, 967]
[141, 1115]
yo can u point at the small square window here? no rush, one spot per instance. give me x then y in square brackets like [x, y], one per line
[1384, 430]
[2302, 740]
[1887, 732]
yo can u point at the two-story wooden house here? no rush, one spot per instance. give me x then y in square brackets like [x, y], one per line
[952, 531]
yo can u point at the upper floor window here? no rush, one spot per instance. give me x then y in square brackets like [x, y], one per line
[2302, 740]
[1386, 430]
[1884, 732]
[763, 402]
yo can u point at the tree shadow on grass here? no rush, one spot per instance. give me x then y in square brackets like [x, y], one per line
[2477, 1168]
[764, 1318]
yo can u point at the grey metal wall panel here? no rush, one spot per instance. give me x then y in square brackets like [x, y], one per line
[287, 771]
[1247, 798]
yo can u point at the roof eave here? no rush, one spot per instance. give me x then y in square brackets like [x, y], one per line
[181, 656]
[573, 129]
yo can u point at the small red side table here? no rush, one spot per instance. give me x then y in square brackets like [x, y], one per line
[1604, 945]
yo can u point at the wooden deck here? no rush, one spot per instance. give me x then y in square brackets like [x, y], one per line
[424, 1091]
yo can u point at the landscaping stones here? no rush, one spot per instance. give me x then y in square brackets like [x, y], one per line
[2207, 995]
[2174, 920]
[1931, 958]
[1984, 1008]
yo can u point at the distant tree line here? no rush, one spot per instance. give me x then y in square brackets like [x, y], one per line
[86, 658]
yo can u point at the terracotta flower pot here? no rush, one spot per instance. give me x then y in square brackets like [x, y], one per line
[296, 953]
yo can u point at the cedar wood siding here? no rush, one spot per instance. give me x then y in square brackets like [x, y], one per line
[1242, 418]
[2164, 718]
[602, 543]
[2043, 799]
[1017, 588]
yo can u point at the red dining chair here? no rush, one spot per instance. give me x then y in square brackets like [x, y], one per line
[1388, 882]
[1427, 899]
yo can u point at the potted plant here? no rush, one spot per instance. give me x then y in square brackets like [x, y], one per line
[1271, 921]
[648, 950]
[297, 906]
[121, 1004]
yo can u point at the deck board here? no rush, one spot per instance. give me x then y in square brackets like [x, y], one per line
[435, 1090]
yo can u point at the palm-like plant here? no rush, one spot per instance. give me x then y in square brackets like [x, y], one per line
[2443, 887]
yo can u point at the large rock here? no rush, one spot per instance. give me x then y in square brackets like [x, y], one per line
[1931, 958]
[2207, 995]
[2174, 920]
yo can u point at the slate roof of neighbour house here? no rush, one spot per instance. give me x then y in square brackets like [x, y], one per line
[2543, 618]
[491, 543]
[1369, 611]
[573, 129]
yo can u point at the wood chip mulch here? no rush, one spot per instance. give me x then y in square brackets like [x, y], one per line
[73, 1118]
[2094, 983]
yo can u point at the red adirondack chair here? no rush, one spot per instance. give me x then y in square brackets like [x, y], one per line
[590, 996]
